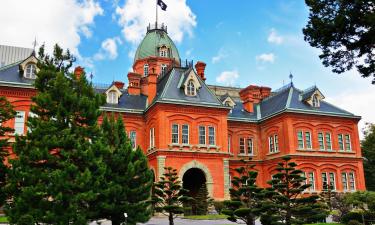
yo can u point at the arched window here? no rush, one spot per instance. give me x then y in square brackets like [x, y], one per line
[30, 71]
[112, 97]
[191, 88]
[163, 51]
[163, 69]
[315, 101]
[145, 70]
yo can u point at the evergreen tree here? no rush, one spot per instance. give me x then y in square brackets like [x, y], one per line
[368, 151]
[169, 195]
[202, 201]
[126, 186]
[286, 203]
[246, 197]
[344, 30]
[51, 178]
[6, 113]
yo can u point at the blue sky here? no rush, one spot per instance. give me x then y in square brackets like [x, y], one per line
[243, 42]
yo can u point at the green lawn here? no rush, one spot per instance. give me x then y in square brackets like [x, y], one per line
[3, 219]
[206, 217]
[324, 224]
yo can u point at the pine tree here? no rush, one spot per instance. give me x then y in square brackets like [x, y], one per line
[126, 187]
[169, 195]
[286, 203]
[202, 201]
[51, 178]
[6, 113]
[246, 197]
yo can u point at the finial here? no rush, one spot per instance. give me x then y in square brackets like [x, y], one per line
[34, 45]
[291, 77]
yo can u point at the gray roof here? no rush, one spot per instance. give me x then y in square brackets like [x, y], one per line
[170, 90]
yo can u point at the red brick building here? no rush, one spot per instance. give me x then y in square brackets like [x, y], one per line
[206, 131]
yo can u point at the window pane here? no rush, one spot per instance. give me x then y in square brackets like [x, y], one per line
[174, 133]
[332, 182]
[202, 135]
[249, 146]
[341, 143]
[211, 135]
[271, 144]
[133, 138]
[19, 123]
[321, 141]
[300, 139]
[328, 141]
[324, 181]
[312, 181]
[351, 181]
[347, 142]
[242, 145]
[344, 180]
[308, 140]
[276, 140]
[185, 134]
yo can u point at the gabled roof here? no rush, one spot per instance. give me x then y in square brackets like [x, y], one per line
[306, 94]
[12, 74]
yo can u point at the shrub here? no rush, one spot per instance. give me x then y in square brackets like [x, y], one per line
[219, 205]
[354, 222]
[351, 216]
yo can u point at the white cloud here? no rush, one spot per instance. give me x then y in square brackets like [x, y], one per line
[220, 55]
[265, 57]
[228, 77]
[108, 49]
[274, 38]
[135, 15]
[49, 21]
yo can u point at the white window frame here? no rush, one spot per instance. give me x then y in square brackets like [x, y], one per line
[19, 123]
[187, 136]
[311, 180]
[300, 139]
[152, 138]
[163, 69]
[344, 181]
[112, 97]
[334, 180]
[229, 143]
[133, 138]
[271, 144]
[323, 141]
[349, 180]
[211, 136]
[342, 146]
[346, 144]
[251, 146]
[242, 145]
[315, 101]
[190, 88]
[145, 70]
[202, 136]
[328, 148]
[308, 144]
[175, 133]
[276, 142]
[30, 71]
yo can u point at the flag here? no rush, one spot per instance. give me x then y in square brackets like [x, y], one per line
[162, 5]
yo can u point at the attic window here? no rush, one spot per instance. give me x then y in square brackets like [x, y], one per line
[30, 71]
[112, 97]
[145, 70]
[163, 51]
[315, 100]
[191, 91]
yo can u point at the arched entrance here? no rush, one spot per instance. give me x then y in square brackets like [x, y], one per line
[193, 180]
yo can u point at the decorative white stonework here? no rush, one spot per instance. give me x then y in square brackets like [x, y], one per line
[226, 178]
[161, 165]
[201, 166]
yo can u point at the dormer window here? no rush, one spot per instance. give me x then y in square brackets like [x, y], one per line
[315, 101]
[112, 97]
[30, 71]
[191, 91]
[163, 51]
[145, 70]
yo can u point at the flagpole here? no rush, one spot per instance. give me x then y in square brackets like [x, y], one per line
[156, 24]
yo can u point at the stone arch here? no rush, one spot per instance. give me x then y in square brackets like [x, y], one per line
[201, 166]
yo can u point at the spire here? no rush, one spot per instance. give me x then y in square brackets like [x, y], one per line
[291, 78]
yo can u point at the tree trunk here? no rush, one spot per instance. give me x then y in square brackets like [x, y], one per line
[288, 217]
[171, 219]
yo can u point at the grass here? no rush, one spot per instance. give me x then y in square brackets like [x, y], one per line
[3, 219]
[324, 224]
[206, 217]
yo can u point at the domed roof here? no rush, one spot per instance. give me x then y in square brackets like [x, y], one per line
[154, 39]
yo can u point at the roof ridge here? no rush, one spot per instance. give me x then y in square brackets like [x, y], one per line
[279, 91]
[309, 88]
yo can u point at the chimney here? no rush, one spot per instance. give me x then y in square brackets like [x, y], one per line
[200, 67]
[134, 83]
[252, 95]
[151, 82]
[119, 84]
[265, 92]
[78, 71]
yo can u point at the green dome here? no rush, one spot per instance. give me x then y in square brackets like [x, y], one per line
[153, 40]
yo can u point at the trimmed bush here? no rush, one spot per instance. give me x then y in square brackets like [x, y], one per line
[219, 205]
[351, 216]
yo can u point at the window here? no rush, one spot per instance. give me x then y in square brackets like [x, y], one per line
[348, 146]
[185, 134]
[229, 143]
[300, 140]
[311, 180]
[325, 142]
[249, 143]
[163, 52]
[190, 88]
[163, 69]
[30, 115]
[347, 179]
[273, 143]
[344, 179]
[112, 97]
[242, 145]
[341, 142]
[30, 71]
[175, 133]
[211, 135]
[133, 138]
[308, 140]
[152, 137]
[328, 181]
[145, 70]
[351, 181]
[202, 135]
[304, 140]
[315, 101]
[19, 123]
